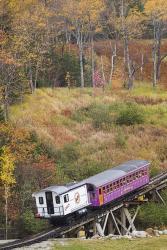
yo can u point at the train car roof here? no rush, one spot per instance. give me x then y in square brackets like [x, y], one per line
[115, 172]
[101, 178]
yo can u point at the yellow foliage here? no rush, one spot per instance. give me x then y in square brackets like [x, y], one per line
[7, 168]
[157, 9]
[85, 11]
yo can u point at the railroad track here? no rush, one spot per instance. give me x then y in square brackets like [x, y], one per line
[156, 183]
[53, 233]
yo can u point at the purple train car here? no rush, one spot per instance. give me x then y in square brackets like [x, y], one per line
[118, 181]
[74, 199]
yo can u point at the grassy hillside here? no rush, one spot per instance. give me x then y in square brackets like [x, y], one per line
[90, 131]
[61, 135]
[138, 244]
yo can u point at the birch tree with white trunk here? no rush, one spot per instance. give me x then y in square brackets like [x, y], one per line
[157, 15]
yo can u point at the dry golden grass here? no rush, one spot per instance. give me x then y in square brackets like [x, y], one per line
[49, 113]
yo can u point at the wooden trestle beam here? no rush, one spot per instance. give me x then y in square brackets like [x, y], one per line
[120, 221]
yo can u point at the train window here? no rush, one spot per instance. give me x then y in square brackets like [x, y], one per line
[127, 179]
[57, 199]
[90, 188]
[104, 189]
[41, 200]
[124, 180]
[130, 178]
[121, 183]
[108, 189]
[100, 191]
[66, 198]
[140, 173]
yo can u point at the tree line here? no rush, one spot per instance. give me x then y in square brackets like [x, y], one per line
[52, 42]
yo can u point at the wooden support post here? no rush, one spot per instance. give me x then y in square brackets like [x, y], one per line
[131, 220]
[123, 221]
[99, 229]
[105, 222]
[94, 228]
[110, 226]
[160, 197]
[123, 227]
[115, 222]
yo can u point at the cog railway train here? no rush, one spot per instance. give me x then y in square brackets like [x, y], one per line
[58, 203]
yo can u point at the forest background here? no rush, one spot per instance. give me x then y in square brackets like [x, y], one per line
[82, 88]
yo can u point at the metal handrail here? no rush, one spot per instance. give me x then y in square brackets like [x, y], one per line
[60, 210]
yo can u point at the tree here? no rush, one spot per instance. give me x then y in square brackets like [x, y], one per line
[30, 36]
[157, 14]
[7, 178]
[11, 77]
[11, 82]
[131, 27]
[80, 18]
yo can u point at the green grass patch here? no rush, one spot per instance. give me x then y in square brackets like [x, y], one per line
[146, 89]
[131, 114]
[104, 116]
[153, 214]
[98, 114]
[137, 244]
[58, 120]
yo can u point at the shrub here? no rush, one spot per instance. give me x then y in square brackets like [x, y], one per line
[66, 160]
[101, 116]
[130, 115]
[89, 168]
[152, 214]
[162, 152]
[155, 168]
[68, 154]
[120, 140]
[32, 225]
[81, 114]
[1, 115]
[42, 146]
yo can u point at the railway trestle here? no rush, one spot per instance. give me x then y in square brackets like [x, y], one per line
[117, 221]
[120, 219]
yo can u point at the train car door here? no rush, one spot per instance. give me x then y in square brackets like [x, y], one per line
[101, 196]
[49, 202]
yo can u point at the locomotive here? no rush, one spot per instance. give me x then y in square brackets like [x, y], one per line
[60, 202]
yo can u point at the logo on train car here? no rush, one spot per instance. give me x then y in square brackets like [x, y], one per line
[77, 197]
[67, 207]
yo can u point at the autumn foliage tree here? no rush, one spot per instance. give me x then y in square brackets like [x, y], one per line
[80, 18]
[157, 15]
[7, 179]
[30, 36]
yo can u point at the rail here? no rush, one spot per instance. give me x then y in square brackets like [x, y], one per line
[158, 182]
